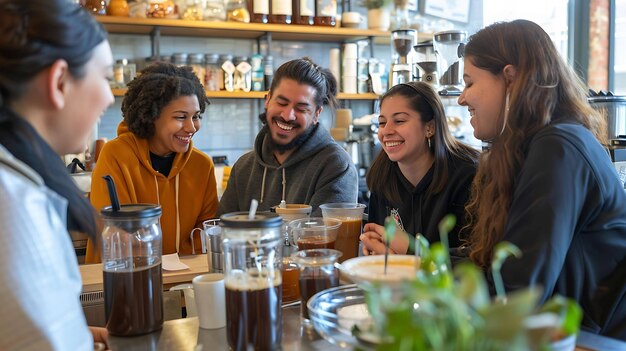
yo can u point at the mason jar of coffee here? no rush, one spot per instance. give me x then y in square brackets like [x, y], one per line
[131, 265]
[252, 268]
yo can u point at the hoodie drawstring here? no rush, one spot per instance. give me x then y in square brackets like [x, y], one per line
[263, 185]
[156, 185]
[178, 217]
[284, 185]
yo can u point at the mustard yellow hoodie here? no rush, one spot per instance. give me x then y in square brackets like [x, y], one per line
[188, 196]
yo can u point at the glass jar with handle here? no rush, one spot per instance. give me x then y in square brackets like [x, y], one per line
[252, 268]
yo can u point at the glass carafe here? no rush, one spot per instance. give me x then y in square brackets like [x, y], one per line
[252, 269]
[131, 265]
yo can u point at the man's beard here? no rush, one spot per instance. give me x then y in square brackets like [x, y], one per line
[295, 143]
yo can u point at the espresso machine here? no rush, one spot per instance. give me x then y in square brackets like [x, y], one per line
[613, 108]
[402, 42]
[426, 63]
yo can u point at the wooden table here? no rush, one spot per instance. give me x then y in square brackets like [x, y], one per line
[92, 273]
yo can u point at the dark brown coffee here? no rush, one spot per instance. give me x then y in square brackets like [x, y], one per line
[133, 301]
[254, 318]
[311, 285]
[316, 242]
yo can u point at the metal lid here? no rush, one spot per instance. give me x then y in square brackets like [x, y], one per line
[450, 35]
[132, 211]
[226, 57]
[212, 58]
[261, 220]
[196, 58]
[180, 57]
[604, 96]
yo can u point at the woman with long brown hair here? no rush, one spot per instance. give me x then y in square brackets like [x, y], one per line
[421, 174]
[546, 184]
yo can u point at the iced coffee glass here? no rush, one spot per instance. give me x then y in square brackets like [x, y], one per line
[314, 233]
[351, 217]
[317, 272]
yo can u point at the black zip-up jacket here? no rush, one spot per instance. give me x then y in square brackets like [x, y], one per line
[421, 210]
[568, 216]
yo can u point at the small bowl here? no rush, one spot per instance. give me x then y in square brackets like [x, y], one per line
[370, 269]
[331, 324]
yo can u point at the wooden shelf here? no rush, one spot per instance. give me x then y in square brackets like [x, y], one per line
[174, 27]
[259, 95]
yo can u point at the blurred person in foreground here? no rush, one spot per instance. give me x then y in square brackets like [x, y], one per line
[546, 184]
[55, 63]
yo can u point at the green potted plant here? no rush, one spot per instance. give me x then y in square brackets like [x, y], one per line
[452, 310]
[378, 14]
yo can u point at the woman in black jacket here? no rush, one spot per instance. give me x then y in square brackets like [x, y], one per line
[547, 184]
[421, 174]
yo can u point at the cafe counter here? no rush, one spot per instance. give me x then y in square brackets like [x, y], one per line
[185, 335]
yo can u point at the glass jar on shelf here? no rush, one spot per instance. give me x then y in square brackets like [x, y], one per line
[212, 72]
[243, 74]
[215, 10]
[96, 7]
[196, 61]
[228, 69]
[281, 12]
[223, 59]
[191, 10]
[118, 8]
[237, 11]
[259, 10]
[325, 13]
[137, 8]
[162, 9]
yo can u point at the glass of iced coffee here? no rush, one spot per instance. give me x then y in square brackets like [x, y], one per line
[317, 272]
[351, 217]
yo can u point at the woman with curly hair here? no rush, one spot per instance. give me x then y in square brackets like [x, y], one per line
[153, 160]
[546, 184]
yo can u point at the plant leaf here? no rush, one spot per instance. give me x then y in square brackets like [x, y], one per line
[568, 311]
[502, 251]
[471, 285]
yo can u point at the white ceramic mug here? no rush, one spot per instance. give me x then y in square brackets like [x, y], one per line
[351, 19]
[210, 298]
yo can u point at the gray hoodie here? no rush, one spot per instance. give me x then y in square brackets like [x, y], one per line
[318, 172]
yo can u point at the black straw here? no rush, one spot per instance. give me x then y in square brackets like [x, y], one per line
[115, 203]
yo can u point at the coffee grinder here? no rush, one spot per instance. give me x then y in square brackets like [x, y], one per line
[426, 62]
[402, 41]
[613, 108]
[449, 48]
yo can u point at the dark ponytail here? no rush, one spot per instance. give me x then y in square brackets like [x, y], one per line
[305, 71]
[36, 33]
